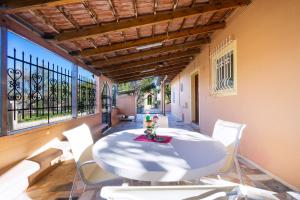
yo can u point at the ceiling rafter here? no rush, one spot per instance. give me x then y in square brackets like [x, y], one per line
[91, 12]
[139, 76]
[135, 8]
[113, 10]
[151, 52]
[68, 16]
[197, 21]
[155, 6]
[147, 20]
[21, 6]
[159, 59]
[93, 42]
[149, 40]
[141, 68]
[154, 72]
[175, 3]
[44, 19]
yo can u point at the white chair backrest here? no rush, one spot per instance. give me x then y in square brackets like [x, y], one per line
[163, 121]
[229, 134]
[80, 139]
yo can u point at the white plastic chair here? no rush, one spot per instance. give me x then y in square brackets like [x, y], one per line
[163, 121]
[81, 143]
[229, 134]
[188, 192]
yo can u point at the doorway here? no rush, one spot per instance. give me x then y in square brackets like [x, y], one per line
[106, 105]
[195, 98]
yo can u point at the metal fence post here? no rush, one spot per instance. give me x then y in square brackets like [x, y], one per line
[74, 90]
[98, 94]
[3, 78]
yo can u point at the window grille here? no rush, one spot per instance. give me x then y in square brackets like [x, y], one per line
[173, 96]
[149, 99]
[223, 64]
[106, 105]
[37, 91]
[86, 96]
[114, 95]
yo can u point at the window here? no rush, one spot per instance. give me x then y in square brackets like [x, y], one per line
[149, 99]
[173, 96]
[223, 68]
[39, 86]
[86, 93]
[114, 95]
[38, 91]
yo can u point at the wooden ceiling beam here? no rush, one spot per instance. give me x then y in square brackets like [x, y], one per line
[150, 40]
[141, 68]
[163, 16]
[155, 68]
[149, 61]
[156, 72]
[15, 6]
[151, 52]
[138, 77]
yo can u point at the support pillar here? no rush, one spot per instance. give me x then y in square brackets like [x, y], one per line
[74, 90]
[3, 79]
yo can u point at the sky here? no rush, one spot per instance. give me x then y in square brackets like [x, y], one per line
[22, 44]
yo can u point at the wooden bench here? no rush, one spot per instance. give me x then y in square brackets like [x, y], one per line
[18, 178]
[47, 160]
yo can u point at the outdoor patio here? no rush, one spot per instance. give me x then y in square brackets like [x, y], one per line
[154, 93]
[57, 184]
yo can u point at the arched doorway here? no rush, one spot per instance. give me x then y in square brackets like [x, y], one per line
[106, 105]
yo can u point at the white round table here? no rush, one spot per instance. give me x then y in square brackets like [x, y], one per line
[189, 155]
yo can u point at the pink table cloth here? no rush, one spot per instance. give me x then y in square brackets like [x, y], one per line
[143, 138]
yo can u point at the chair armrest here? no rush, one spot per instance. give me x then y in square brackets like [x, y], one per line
[87, 162]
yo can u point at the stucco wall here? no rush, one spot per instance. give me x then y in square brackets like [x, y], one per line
[127, 104]
[17, 147]
[268, 98]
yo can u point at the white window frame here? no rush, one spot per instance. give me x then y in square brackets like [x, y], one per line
[173, 96]
[221, 87]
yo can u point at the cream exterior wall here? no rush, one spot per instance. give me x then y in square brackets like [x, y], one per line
[127, 104]
[268, 97]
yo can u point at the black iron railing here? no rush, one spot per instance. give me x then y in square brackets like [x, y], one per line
[40, 91]
[86, 96]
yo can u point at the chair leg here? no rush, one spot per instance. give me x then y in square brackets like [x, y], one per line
[70, 197]
[84, 187]
[238, 170]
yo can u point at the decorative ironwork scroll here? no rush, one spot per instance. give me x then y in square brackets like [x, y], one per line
[14, 76]
[36, 91]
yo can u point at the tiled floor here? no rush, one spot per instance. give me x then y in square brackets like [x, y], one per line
[58, 183]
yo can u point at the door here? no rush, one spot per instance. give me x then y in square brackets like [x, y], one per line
[196, 99]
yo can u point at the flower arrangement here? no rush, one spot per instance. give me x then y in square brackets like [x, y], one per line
[151, 126]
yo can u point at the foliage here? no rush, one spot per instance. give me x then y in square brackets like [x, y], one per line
[168, 93]
[139, 88]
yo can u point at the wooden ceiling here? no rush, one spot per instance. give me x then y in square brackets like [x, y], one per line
[112, 35]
